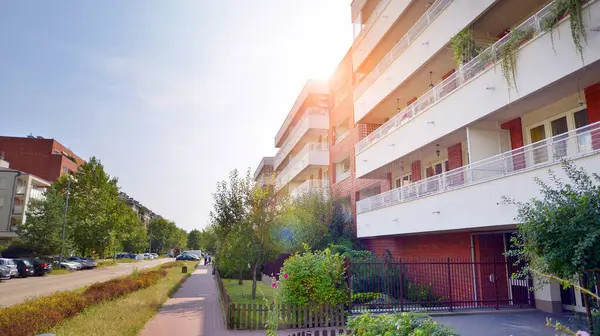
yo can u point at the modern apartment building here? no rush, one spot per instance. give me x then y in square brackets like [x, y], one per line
[46, 158]
[145, 214]
[263, 175]
[454, 137]
[345, 133]
[302, 160]
[17, 190]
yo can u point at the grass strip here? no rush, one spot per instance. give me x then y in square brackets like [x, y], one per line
[129, 314]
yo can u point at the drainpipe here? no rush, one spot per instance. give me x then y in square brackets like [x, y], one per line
[474, 268]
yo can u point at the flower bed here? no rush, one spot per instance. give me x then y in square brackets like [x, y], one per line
[40, 315]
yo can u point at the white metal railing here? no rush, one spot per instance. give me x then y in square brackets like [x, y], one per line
[342, 176]
[371, 21]
[298, 163]
[580, 142]
[17, 209]
[296, 134]
[37, 193]
[307, 186]
[416, 30]
[459, 78]
[21, 188]
[341, 137]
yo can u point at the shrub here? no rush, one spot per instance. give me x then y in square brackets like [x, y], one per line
[313, 279]
[39, 315]
[359, 298]
[405, 324]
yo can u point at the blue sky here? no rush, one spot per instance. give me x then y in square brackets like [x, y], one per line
[170, 95]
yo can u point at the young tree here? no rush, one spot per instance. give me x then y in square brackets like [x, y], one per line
[208, 240]
[559, 233]
[193, 239]
[42, 232]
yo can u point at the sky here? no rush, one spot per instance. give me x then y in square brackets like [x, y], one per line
[169, 95]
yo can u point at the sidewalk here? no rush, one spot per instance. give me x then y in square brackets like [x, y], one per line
[194, 310]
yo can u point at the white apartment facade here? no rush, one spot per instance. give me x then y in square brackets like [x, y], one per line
[302, 160]
[454, 138]
[263, 175]
[17, 191]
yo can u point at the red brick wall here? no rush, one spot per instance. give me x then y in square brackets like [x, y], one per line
[35, 156]
[455, 160]
[415, 167]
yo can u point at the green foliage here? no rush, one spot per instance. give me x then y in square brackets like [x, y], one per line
[41, 314]
[366, 297]
[509, 54]
[464, 47]
[208, 240]
[314, 279]
[559, 233]
[557, 12]
[404, 324]
[166, 235]
[43, 229]
[193, 240]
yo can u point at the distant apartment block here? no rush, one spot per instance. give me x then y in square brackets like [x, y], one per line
[263, 175]
[46, 158]
[17, 191]
[145, 214]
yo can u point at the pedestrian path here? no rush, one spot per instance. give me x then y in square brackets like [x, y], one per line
[194, 310]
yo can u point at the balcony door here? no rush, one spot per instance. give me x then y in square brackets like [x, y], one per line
[559, 131]
[538, 136]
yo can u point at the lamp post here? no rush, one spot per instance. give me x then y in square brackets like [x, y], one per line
[62, 242]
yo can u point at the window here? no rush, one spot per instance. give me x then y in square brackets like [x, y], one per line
[64, 170]
[538, 136]
[559, 126]
[584, 140]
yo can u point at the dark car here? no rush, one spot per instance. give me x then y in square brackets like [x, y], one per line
[191, 257]
[25, 267]
[40, 267]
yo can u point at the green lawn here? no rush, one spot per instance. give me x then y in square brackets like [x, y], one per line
[243, 293]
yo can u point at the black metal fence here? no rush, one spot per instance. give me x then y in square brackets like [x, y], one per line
[435, 284]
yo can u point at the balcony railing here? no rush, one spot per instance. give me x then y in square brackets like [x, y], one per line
[416, 30]
[299, 130]
[577, 143]
[342, 136]
[342, 176]
[307, 186]
[466, 73]
[17, 210]
[371, 21]
[293, 168]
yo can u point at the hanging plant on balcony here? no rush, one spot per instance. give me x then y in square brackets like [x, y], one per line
[464, 47]
[509, 52]
[561, 9]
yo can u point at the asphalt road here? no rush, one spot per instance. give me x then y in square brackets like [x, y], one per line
[17, 290]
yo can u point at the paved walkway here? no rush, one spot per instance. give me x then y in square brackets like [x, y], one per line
[194, 310]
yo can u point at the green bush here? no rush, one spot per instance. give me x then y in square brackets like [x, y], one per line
[405, 324]
[40, 315]
[359, 298]
[313, 279]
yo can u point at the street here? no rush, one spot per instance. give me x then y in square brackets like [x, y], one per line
[17, 290]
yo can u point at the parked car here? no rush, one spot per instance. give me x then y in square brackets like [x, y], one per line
[40, 267]
[10, 265]
[155, 255]
[85, 262]
[191, 257]
[148, 256]
[4, 272]
[25, 267]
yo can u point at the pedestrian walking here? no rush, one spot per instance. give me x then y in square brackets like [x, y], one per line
[209, 260]
[205, 260]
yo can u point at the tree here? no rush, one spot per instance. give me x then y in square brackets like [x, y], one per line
[193, 239]
[559, 233]
[42, 232]
[208, 240]
[137, 240]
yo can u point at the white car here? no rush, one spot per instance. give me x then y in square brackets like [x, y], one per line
[71, 265]
[148, 256]
[11, 265]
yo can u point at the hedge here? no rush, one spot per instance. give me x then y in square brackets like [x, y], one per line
[42, 314]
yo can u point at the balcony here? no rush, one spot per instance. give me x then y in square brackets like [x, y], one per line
[380, 21]
[431, 33]
[18, 210]
[307, 187]
[342, 136]
[313, 154]
[472, 196]
[314, 118]
[343, 176]
[428, 118]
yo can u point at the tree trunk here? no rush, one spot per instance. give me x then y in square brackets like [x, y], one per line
[588, 310]
[254, 271]
[241, 277]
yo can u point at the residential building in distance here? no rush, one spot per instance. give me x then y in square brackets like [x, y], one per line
[45, 158]
[456, 136]
[263, 175]
[302, 160]
[145, 214]
[17, 190]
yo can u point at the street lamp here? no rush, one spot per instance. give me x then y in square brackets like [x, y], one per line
[62, 243]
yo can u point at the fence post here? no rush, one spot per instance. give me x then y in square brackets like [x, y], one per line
[401, 286]
[496, 285]
[449, 285]
[349, 284]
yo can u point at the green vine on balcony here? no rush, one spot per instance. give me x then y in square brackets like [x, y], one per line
[464, 47]
[558, 12]
[509, 54]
